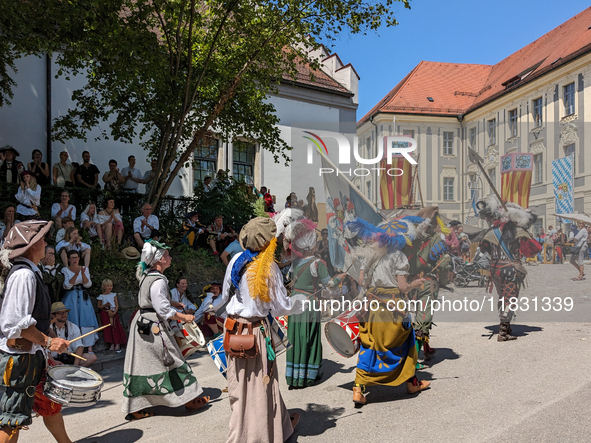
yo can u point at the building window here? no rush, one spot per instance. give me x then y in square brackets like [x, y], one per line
[513, 123]
[409, 133]
[569, 99]
[537, 106]
[538, 168]
[492, 174]
[492, 132]
[569, 149]
[448, 143]
[244, 161]
[205, 160]
[473, 138]
[538, 226]
[471, 181]
[448, 188]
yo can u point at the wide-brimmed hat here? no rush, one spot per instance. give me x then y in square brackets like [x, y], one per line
[454, 223]
[24, 235]
[9, 148]
[131, 253]
[257, 233]
[58, 306]
[191, 214]
[429, 212]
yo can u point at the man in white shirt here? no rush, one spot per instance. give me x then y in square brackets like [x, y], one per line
[63, 328]
[132, 175]
[148, 179]
[25, 321]
[144, 225]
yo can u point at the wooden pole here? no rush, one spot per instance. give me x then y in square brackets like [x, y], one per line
[89, 333]
[420, 192]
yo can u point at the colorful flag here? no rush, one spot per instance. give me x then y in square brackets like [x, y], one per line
[395, 191]
[562, 180]
[516, 170]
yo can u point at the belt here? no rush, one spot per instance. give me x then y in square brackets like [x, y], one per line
[146, 310]
[253, 323]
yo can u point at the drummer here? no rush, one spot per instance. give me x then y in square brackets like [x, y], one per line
[25, 320]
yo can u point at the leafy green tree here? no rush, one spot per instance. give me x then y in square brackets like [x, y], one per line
[176, 72]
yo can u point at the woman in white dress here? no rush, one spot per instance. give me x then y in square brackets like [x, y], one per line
[180, 301]
[89, 220]
[29, 197]
[111, 222]
[63, 209]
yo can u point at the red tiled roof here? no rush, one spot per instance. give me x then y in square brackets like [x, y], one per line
[461, 88]
[321, 79]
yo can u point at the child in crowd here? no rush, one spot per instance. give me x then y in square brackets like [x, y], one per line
[109, 307]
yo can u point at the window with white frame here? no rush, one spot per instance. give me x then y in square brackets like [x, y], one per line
[492, 174]
[448, 188]
[473, 138]
[243, 156]
[492, 131]
[538, 226]
[538, 168]
[569, 149]
[569, 99]
[205, 160]
[409, 133]
[537, 108]
[513, 123]
[448, 143]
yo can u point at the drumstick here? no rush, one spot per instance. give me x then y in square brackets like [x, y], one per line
[89, 333]
[76, 355]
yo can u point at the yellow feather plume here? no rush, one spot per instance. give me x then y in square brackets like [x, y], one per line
[444, 229]
[258, 273]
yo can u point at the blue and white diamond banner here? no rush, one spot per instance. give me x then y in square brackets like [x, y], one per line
[562, 179]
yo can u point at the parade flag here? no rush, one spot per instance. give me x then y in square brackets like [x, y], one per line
[562, 180]
[516, 173]
[395, 191]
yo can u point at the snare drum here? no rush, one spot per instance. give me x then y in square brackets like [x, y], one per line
[279, 335]
[216, 351]
[73, 385]
[342, 334]
[192, 340]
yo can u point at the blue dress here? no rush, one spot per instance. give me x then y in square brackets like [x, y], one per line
[81, 311]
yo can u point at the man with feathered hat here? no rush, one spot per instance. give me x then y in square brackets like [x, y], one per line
[253, 288]
[387, 354]
[506, 241]
[25, 321]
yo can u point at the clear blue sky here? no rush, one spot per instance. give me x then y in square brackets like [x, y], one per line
[454, 31]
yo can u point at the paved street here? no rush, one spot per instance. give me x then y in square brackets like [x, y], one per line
[534, 389]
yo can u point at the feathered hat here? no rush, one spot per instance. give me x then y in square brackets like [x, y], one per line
[393, 234]
[491, 208]
[301, 235]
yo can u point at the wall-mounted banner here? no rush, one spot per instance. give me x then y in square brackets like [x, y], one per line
[562, 179]
[395, 191]
[516, 173]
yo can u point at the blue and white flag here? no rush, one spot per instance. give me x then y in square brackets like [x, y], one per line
[562, 180]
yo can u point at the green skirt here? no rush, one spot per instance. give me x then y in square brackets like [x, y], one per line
[304, 358]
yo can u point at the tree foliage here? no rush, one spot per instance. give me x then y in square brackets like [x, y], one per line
[175, 72]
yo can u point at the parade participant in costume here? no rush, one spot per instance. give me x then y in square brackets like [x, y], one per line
[253, 284]
[304, 358]
[507, 240]
[194, 231]
[210, 324]
[155, 372]
[426, 258]
[387, 354]
[25, 319]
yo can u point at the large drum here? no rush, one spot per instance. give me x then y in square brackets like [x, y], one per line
[73, 385]
[342, 334]
[216, 351]
[192, 340]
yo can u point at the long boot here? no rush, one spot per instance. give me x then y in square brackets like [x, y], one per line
[504, 332]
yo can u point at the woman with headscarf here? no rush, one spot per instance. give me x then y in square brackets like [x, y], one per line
[304, 358]
[253, 288]
[155, 372]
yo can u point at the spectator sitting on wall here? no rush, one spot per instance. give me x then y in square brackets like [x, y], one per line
[90, 221]
[7, 222]
[194, 231]
[63, 209]
[207, 184]
[29, 197]
[144, 225]
[63, 328]
[132, 175]
[149, 176]
[63, 173]
[39, 169]
[111, 222]
[220, 236]
[113, 179]
[10, 167]
[67, 223]
[87, 175]
[180, 297]
[229, 253]
[72, 242]
[52, 277]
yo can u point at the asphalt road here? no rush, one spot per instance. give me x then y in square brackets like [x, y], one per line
[536, 388]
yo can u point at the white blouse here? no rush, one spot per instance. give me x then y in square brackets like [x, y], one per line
[103, 218]
[243, 305]
[84, 217]
[160, 299]
[388, 269]
[69, 212]
[69, 274]
[66, 244]
[28, 197]
[175, 295]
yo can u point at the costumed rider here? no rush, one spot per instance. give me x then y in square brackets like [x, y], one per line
[506, 241]
[25, 320]
[155, 372]
[387, 354]
[253, 288]
[428, 259]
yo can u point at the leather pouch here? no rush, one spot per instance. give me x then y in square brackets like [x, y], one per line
[19, 344]
[238, 345]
